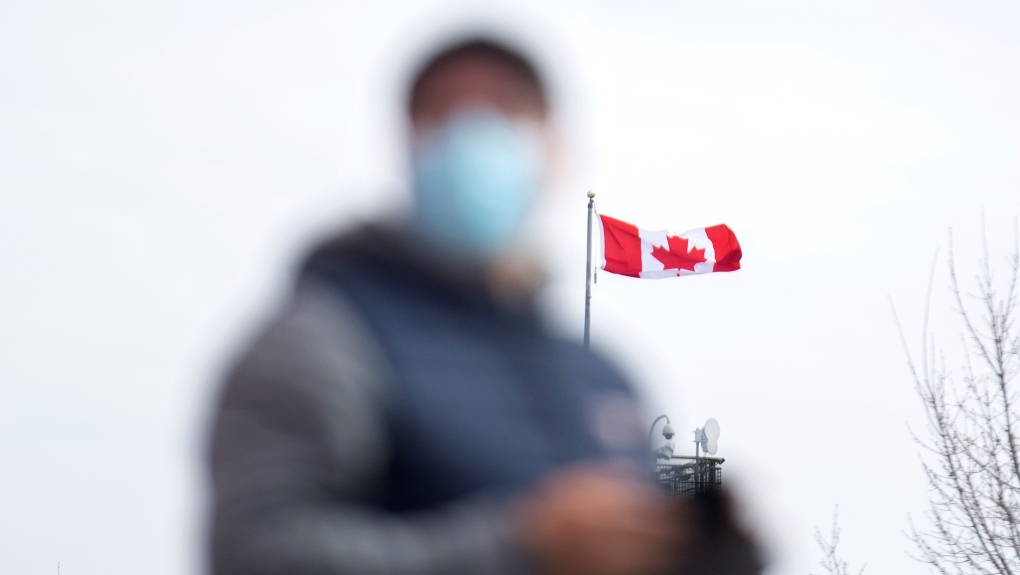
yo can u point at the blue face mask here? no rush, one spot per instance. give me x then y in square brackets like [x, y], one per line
[475, 180]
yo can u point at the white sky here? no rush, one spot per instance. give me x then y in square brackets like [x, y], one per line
[163, 163]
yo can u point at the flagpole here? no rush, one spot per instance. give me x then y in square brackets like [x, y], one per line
[587, 285]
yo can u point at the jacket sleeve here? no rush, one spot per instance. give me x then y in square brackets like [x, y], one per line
[299, 453]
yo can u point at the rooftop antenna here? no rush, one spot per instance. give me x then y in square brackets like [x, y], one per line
[707, 437]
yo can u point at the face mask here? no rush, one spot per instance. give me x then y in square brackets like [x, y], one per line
[475, 180]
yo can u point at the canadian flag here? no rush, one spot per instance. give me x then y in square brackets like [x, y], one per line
[631, 251]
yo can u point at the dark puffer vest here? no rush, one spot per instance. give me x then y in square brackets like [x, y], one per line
[485, 400]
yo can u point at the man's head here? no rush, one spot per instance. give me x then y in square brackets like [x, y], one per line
[479, 118]
[476, 72]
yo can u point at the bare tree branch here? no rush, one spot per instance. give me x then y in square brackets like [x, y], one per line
[971, 451]
[831, 562]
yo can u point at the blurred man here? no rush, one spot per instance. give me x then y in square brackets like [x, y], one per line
[407, 412]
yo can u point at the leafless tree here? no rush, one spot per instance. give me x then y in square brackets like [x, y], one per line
[971, 448]
[831, 562]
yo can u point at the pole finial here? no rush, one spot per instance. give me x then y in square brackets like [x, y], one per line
[591, 194]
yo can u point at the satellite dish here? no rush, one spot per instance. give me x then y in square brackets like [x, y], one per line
[710, 436]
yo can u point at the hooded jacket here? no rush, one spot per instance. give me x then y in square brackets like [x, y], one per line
[386, 420]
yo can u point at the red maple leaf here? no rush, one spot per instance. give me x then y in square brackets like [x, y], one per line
[677, 257]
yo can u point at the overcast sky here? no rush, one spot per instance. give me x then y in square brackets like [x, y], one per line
[162, 164]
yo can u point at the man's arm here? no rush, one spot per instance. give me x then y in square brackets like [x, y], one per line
[299, 454]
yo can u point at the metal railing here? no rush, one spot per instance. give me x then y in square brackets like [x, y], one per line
[685, 476]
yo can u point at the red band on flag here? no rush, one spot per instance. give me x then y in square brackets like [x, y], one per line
[727, 250]
[621, 247]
